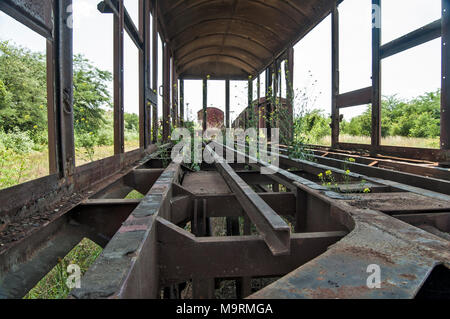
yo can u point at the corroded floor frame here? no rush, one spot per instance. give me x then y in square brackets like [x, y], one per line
[335, 238]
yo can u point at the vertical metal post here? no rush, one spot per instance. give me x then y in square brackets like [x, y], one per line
[64, 146]
[155, 69]
[227, 103]
[182, 101]
[205, 103]
[376, 75]
[268, 107]
[251, 109]
[445, 90]
[144, 74]
[119, 138]
[335, 116]
[166, 93]
[290, 92]
[175, 120]
[53, 141]
[258, 115]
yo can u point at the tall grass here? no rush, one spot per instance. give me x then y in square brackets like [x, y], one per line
[388, 141]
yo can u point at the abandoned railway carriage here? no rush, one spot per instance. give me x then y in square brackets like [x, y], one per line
[288, 234]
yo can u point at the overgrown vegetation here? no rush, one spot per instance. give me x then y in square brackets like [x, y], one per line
[23, 114]
[53, 285]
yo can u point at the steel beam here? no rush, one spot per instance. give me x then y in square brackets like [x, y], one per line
[335, 118]
[205, 104]
[155, 87]
[215, 257]
[275, 231]
[445, 90]
[119, 137]
[376, 75]
[166, 93]
[354, 98]
[417, 37]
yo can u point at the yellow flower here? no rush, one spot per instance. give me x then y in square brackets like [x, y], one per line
[351, 160]
[367, 190]
[35, 126]
[328, 173]
[347, 172]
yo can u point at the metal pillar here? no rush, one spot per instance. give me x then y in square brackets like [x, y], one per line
[182, 101]
[376, 78]
[166, 93]
[62, 136]
[119, 138]
[227, 103]
[251, 109]
[290, 92]
[205, 103]
[445, 90]
[175, 120]
[335, 121]
[155, 69]
[144, 74]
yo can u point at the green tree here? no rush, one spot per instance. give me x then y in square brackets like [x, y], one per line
[23, 89]
[90, 97]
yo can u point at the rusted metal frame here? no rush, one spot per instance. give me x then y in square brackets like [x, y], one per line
[415, 38]
[335, 117]
[182, 102]
[175, 119]
[52, 127]
[275, 231]
[418, 169]
[433, 184]
[179, 247]
[425, 154]
[375, 238]
[268, 107]
[119, 137]
[227, 103]
[205, 105]
[315, 168]
[62, 67]
[144, 74]
[376, 76]
[26, 261]
[440, 221]
[228, 205]
[354, 98]
[133, 252]
[113, 6]
[290, 91]
[21, 11]
[155, 87]
[166, 93]
[445, 90]
[251, 109]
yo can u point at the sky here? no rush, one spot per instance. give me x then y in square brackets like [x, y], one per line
[406, 75]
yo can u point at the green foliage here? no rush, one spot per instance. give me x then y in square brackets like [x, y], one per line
[131, 122]
[53, 285]
[419, 117]
[90, 96]
[23, 90]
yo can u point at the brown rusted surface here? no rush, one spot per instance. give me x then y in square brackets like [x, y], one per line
[205, 183]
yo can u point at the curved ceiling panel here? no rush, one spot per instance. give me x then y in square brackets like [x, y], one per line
[242, 35]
